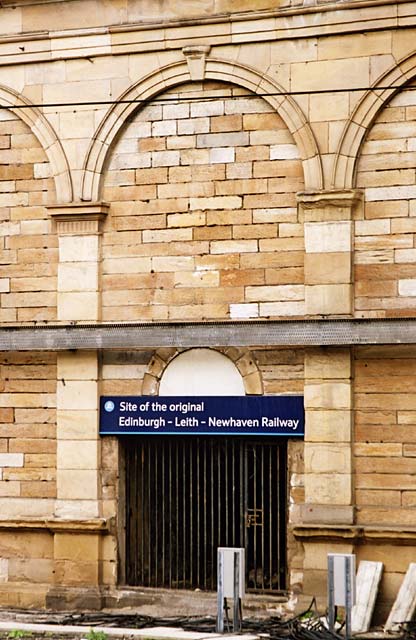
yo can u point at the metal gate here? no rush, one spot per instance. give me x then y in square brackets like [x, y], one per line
[187, 496]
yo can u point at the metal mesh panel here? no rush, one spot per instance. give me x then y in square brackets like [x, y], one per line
[259, 333]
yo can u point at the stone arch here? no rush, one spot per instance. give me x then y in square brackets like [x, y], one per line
[368, 108]
[242, 358]
[178, 73]
[43, 130]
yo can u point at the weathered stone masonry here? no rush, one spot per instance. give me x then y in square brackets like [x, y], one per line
[249, 162]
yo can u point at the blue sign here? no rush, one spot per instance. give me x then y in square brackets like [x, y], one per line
[202, 415]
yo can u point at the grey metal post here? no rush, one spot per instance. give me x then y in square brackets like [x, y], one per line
[236, 602]
[331, 603]
[220, 593]
[348, 598]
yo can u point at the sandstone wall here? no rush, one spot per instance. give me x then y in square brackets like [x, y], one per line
[220, 167]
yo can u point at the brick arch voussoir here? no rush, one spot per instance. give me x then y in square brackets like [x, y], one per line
[242, 358]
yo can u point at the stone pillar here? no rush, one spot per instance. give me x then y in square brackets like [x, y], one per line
[328, 220]
[328, 436]
[328, 224]
[78, 444]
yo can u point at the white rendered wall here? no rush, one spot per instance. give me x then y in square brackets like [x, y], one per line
[201, 372]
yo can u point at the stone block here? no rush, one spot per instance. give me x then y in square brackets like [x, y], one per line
[332, 364]
[11, 459]
[328, 395]
[165, 158]
[329, 107]
[81, 276]
[379, 449]
[316, 553]
[77, 395]
[275, 293]
[31, 507]
[282, 309]
[240, 311]
[330, 488]
[407, 287]
[197, 279]
[226, 123]
[77, 425]
[81, 365]
[164, 128]
[76, 573]
[219, 202]
[330, 74]
[193, 126]
[233, 139]
[77, 547]
[220, 155]
[328, 268]
[82, 305]
[76, 454]
[328, 237]
[234, 246]
[327, 458]
[284, 152]
[77, 484]
[126, 265]
[328, 426]
[78, 248]
[328, 299]
[76, 508]
[207, 109]
[30, 571]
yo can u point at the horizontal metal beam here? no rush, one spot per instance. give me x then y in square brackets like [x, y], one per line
[210, 334]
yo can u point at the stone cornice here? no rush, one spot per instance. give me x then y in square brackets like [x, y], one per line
[57, 525]
[356, 534]
[296, 22]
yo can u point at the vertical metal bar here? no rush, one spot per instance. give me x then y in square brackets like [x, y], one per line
[205, 516]
[262, 515]
[243, 500]
[149, 514]
[199, 506]
[255, 515]
[270, 515]
[236, 601]
[163, 550]
[348, 597]
[278, 517]
[331, 604]
[170, 515]
[220, 593]
[233, 488]
[184, 513]
[143, 512]
[212, 545]
[219, 492]
[129, 518]
[226, 490]
[177, 510]
[156, 490]
[190, 511]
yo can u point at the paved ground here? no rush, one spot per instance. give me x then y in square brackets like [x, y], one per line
[15, 630]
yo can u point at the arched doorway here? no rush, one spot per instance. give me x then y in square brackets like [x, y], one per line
[188, 495]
